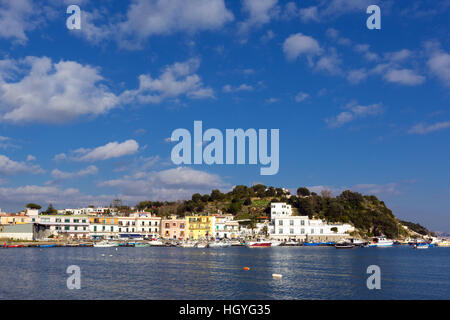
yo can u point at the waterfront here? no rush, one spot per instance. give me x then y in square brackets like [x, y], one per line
[191, 273]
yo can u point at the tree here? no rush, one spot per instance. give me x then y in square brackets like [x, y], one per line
[326, 194]
[51, 210]
[247, 202]
[303, 192]
[33, 206]
[334, 229]
[216, 195]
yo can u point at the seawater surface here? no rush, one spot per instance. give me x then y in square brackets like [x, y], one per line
[190, 273]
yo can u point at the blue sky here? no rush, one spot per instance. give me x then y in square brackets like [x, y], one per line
[86, 114]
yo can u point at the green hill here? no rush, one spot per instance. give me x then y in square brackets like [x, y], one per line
[367, 213]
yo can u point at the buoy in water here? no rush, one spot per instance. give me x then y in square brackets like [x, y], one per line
[246, 268]
[277, 275]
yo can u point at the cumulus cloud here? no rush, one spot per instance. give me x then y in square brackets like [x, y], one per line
[404, 76]
[171, 184]
[422, 128]
[301, 96]
[243, 87]
[146, 18]
[259, 13]
[439, 63]
[298, 44]
[176, 80]
[17, 18]
[357, 75]
[108, 151]
[11, 167]
[53, 92]
[62, 175]
[354, 111]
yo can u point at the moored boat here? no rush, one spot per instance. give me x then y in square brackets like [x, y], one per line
[156, 243]
[443, 244]
[47, 245]
[381, 242]
[259, 244]
[105, 244]
[422, 245]
[344, 245]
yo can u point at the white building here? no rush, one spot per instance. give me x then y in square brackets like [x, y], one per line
[139, 225]
[284, 226]
[224, 227]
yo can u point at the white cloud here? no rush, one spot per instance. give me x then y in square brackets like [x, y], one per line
[353, 112]
[108, 151]
[171, 184]
[53, 92]
[424, 128]
[301, 96]
[176, 80]
[243, 87]
[356, 76]
[16, 18]
[439, 65]
[299, 44]
[160, 17]
[11, 167]
[31, 158]
[259, 13]
[61, 175]
[404, 76]
[309, 14]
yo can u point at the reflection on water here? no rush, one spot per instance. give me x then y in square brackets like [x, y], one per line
[190, 273]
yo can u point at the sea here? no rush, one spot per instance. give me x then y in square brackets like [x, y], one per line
[173, 273]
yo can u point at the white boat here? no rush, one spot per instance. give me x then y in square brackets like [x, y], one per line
[275, 243]
[187, 244]
[421, 246]
[356, 242]
[156, 243]
[290, 244]
[219, 244]
[381, 242]
[443, 244]
[201, 245]
[105, 244]
[259, 244]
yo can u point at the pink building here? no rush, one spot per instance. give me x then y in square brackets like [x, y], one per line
[173, 228]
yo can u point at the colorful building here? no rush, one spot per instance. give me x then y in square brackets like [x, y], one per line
[173, 228]
[66, 226]
[199, 227]
[103, 227]
[12, 219]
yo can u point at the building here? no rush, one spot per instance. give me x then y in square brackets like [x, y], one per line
[23, 231]
[148, 225]
[139, 225]
[173, 228]
[103, 228]
[75, 227]
[14, 218]
[224, 227]
[198, 227]
[284, 226]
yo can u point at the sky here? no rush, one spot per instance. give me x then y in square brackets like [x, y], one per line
[86, 115]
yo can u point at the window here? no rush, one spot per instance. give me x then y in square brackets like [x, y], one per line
[280, 223]
[95, 228]
[58, 220]
[302, 231]
[66, 228]
[302, 222]
[280, 231]
[291, 222]
[291, 231]
[312, 231]
[67, 220]
[321, 230]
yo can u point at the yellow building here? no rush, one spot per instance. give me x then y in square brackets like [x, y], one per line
[10, 219]
[198, 227]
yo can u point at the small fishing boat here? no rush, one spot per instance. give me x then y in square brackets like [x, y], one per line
[275, 243]
[290, 244]
[105, 244]
[344, 245]
[141, 245]
[187, 244]
[443, 244]
[310, 244]
[219, 244]
[47, 245]
[201, 245]
[156, 243]
[236, 243]
[381, 242]
[259, 244]
[14, 246]
[422, 245]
